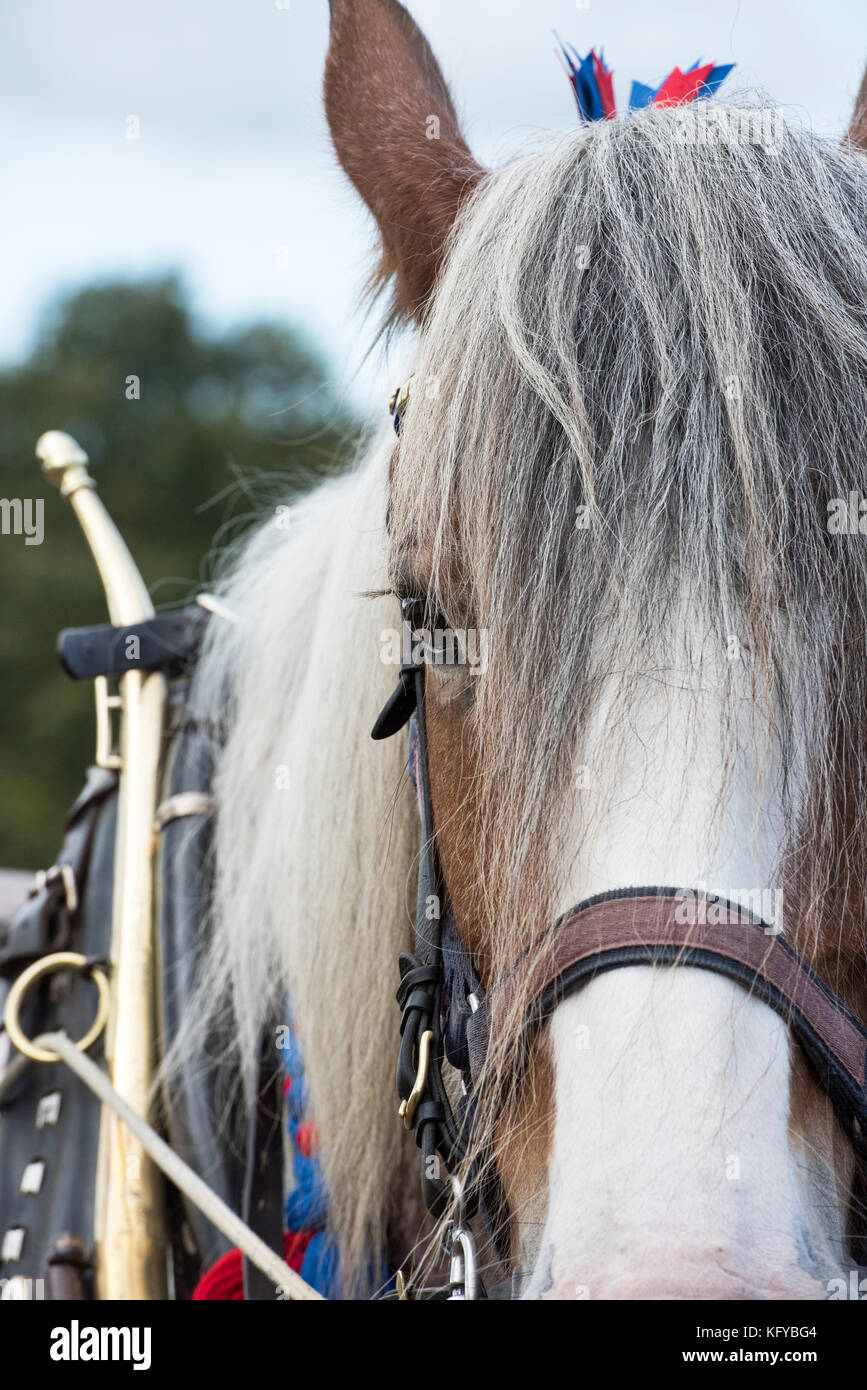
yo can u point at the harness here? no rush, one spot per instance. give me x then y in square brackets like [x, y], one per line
[448, 1017]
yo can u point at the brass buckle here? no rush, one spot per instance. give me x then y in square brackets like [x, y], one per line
[409, 1106]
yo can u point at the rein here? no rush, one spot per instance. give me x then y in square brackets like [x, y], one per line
[447, 1016]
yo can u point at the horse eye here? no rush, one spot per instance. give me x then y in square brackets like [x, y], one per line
[427, 623]
[415, 610]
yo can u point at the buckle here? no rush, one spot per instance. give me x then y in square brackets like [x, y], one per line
[408, 1107]
[63, 872]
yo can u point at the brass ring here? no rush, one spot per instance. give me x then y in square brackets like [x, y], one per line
[61, 960]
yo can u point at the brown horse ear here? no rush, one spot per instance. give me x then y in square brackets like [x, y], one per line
[858, 128]
[396, 134]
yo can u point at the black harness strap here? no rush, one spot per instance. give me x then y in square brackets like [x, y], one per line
[420, 992]
[169, 642]
[441, 1134]
[44, 922]
[263, 1186]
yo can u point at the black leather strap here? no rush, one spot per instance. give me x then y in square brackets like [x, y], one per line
[169, 642]
[441, 1133]
[420, 991]
[198, 1113]
[263, 1187]
[49, 1122]
[43, 922]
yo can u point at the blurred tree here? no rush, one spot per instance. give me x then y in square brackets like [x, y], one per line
[189, 436]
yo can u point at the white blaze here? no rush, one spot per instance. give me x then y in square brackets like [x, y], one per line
[672, 1171]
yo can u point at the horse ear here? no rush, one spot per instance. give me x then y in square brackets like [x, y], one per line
[858, 128]
[397, 136]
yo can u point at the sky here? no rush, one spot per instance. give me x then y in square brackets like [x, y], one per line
[231, 179]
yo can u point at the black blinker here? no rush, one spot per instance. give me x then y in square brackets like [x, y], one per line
[399, 706]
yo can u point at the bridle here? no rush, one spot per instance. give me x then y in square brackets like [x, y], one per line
[438, 963]
[448, 1016]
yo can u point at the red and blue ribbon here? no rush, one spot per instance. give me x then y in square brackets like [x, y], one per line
[592, 83]
[308, 1246]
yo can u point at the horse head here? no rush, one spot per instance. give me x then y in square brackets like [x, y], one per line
[640, 393]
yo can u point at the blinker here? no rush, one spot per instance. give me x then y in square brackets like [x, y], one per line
[401, 703]
[399, 706]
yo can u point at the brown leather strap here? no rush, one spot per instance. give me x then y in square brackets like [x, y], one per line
[607, 932]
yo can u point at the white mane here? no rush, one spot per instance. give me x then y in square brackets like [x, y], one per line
[315, 831]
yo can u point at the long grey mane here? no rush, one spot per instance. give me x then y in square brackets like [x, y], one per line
[644, 372]
[645, 376]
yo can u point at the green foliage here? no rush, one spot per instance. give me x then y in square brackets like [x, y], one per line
[221, 427]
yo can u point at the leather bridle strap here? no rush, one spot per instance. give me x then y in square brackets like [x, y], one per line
[665, 926]
[441, 1131]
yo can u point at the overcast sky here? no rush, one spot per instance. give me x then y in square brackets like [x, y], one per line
[233, 160]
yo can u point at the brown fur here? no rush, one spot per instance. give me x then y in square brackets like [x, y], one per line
[525, 1134]
[858, 127]
[452, 781]
[382, 83]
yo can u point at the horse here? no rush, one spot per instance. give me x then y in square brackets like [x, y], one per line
[599, 544]
[640, 385]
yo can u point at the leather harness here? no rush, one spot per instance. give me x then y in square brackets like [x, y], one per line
[446, 1015]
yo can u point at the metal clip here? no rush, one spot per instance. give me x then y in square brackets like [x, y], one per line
[463, 1268]
[409, 1106]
